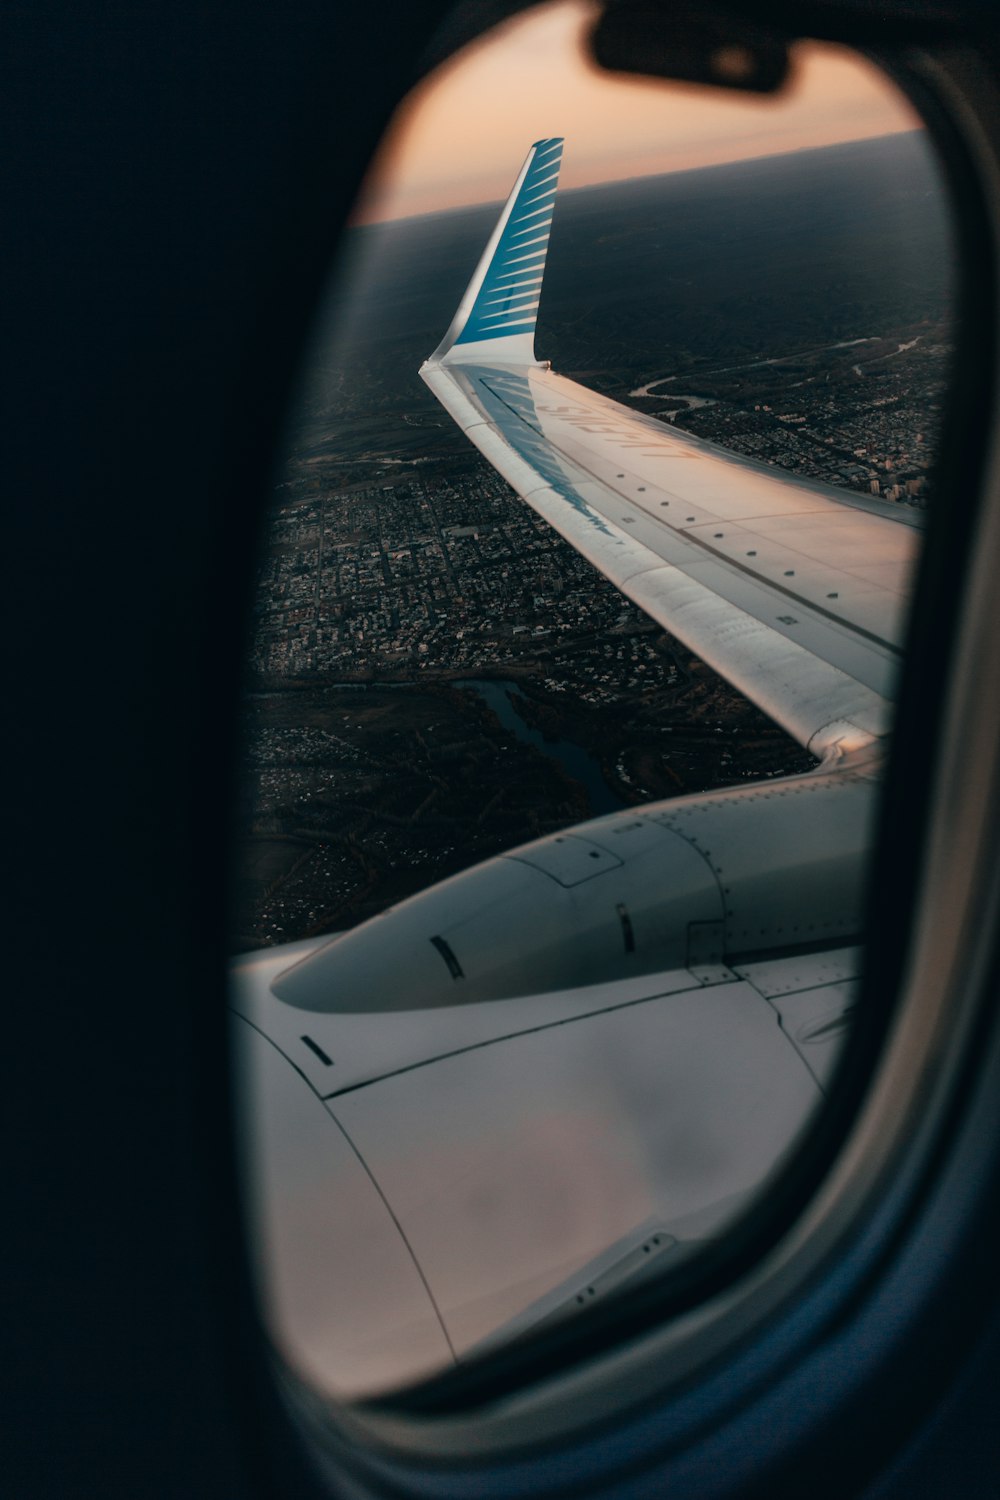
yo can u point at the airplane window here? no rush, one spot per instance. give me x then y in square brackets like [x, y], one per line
[576, 635]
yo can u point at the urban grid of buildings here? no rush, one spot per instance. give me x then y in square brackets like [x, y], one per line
[438, 566]
[390, 581]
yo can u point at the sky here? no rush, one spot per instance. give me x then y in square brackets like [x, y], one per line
[461, 135]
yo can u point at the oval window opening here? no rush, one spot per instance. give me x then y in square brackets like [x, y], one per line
[577, 631]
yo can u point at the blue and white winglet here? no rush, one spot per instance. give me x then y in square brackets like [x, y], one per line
[495, 321]
[793, 591]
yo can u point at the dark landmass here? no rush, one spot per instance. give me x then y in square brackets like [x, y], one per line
[795, 309]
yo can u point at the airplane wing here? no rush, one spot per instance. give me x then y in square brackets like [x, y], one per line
[794, 592]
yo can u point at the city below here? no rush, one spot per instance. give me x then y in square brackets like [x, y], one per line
[436, 676]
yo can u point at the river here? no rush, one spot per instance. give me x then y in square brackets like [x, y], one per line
[575, 761]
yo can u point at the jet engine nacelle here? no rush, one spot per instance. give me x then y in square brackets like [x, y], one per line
[686, 884]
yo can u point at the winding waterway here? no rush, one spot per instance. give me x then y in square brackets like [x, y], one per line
[575, 761]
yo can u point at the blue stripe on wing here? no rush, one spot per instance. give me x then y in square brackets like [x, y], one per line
[501, 308]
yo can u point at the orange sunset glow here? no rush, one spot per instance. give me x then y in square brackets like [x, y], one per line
[462, 133]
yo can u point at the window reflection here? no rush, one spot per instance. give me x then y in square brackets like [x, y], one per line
[485, 1109]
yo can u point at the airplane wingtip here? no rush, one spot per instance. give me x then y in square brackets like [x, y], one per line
[495, 319]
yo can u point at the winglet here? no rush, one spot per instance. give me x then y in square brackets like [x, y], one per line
[495, 321]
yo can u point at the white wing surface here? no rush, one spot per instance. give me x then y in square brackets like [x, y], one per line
[794, 592]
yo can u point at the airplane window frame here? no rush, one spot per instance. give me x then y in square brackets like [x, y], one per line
[433, 1424]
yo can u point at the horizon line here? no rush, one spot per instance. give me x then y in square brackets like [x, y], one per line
[736, 161]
